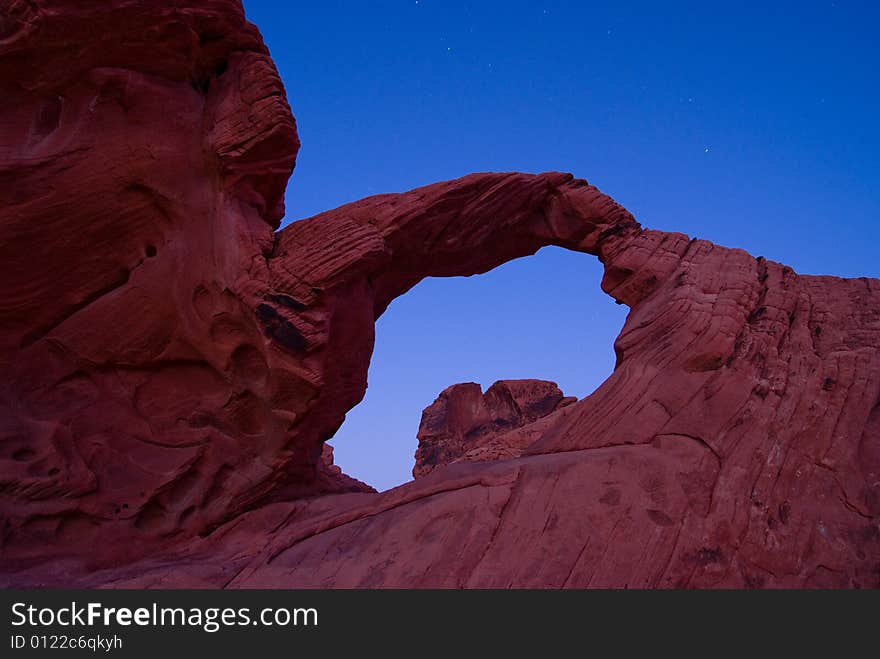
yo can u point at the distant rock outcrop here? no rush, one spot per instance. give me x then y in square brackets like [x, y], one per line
[466, 425]
[172, 365]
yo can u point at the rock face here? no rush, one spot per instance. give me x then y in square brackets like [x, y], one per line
[466, 425]
[171, 365]
[330, 477]
[145, 391]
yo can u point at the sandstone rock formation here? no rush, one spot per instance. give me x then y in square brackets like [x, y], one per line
[172, 365]
[466, 425]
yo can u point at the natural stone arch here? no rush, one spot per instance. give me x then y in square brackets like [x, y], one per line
[342, 268]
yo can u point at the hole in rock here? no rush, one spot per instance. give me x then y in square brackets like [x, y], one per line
[23, 454]
[49, 117]
[150, 251]
[543, 317]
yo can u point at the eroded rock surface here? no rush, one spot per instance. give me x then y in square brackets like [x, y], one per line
[466, 425]
[171, 366]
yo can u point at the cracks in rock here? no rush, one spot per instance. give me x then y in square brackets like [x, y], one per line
[514, 489]
[687, 250]
[273, 250]
[41, 332]
[234, 576]
[607, 548]
[840, 414]
[762, 274]
[699, 440]
[815, 330]
[663, 406]
[844, 498]
[576, 562]
[616, 230]
[852, 507]
[665, 568]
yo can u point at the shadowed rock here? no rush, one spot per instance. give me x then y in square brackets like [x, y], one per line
[466, 425]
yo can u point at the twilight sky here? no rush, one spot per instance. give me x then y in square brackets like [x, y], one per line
[752, 126]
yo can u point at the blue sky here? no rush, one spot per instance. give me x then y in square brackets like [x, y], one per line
[752, 126]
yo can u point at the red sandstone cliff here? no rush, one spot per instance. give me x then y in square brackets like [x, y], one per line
[171, 365]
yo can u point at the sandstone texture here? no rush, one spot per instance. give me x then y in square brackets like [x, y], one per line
[171, 365]
[466, 425]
